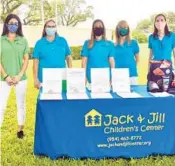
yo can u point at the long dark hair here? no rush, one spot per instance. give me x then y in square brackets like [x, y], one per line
[91, 41]
[44, 29]
[155, 33]
[5, 28]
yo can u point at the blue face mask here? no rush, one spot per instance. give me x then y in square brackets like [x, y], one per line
[50, 31]
[12, 28]
[123, 31]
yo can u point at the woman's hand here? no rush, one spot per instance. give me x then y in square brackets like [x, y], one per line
[37, 84]
[16, 79]
[9, 80]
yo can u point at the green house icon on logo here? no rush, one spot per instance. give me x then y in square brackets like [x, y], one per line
[93, 119]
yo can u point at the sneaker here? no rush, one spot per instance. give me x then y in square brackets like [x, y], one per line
[20, 134]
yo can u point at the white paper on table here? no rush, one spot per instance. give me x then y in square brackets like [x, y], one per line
[101, 96]
[76, 80]
[120, 80]
[100, 80]
[52, 73]
[129, 95]
[77, 96]
[64, 73]
[52, 80]
[161, 94]
[46, 96]
[52, 86]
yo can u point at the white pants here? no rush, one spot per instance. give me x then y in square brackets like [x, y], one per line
[20, 90]
[133, 80]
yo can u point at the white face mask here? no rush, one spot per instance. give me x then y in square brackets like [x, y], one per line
[50, 31]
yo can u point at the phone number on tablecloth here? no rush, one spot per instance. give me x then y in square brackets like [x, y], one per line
[126, 138]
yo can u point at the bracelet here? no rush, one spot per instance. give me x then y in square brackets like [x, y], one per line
[6, 77]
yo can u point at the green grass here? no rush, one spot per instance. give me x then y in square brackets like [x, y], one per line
[17, 152]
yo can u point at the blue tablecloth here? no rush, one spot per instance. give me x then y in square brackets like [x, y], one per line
[98, 128]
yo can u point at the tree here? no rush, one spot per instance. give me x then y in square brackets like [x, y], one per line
[9, 6]
[171, 20]
[72, 12]
[140, 36]
[144, 24]
[33, 16]
[69, 12]
[148, 24]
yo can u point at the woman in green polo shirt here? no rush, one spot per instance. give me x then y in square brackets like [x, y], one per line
[13, 64]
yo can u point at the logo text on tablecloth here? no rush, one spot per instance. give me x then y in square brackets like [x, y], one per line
[114, 124]
[125, 129]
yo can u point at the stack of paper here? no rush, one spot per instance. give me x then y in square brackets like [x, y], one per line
[76, 88]
[45, 96]
[100, 82]
[101, 95]
[77, 96]
[120, 80]
[52, 84]
[52, 81]
[129, 95]
[161, 94]
[76, 80]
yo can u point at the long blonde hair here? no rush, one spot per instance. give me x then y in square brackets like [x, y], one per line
[121, 24]
[91, 41]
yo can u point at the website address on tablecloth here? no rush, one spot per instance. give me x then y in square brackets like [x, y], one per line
[124, 144]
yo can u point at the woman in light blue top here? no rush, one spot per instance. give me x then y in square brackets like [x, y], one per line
[126, 51]
[51, 51]
[98, 51]
[162, 41]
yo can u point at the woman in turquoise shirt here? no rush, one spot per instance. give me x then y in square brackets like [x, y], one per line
[98, 51]
[51, 51]
[162, 41]
[126, 51]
